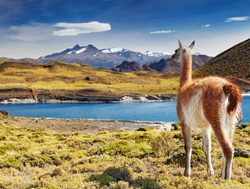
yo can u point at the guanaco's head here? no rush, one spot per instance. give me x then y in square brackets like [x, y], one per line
[182, 50]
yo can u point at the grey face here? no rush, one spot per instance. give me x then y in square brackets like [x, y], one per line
[176, 57]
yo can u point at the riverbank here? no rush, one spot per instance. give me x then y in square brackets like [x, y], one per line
[60, 125]
[40, 157]
[28, 96]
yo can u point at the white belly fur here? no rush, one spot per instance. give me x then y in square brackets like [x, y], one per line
[194, 115]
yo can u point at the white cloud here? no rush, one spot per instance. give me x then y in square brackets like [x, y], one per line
[30, 32]
[40, 31]
[237, 19]
[162, 32]
[206, 26]
[73, 29]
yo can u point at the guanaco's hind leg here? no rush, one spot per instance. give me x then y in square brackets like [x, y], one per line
[186, 131]
[227, 149]
[216, 114]
[206, 136]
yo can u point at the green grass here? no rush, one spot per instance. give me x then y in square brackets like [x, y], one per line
[32, 158]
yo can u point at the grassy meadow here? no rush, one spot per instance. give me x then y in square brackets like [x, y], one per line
[146, 159]
[63, 76]
[58, 75]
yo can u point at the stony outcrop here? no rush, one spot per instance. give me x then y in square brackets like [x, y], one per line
[127, 66]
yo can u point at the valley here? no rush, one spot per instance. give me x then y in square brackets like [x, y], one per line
[62, 81]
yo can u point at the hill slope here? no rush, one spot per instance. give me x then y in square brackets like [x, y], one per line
[234, 62]
[127, 66]
[58, 80]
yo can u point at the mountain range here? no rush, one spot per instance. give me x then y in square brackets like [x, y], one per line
[102, 58]
[168, 65]
[233, 63]
[163, 65]
[119, 59]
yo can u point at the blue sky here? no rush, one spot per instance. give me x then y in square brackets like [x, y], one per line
[32, 28]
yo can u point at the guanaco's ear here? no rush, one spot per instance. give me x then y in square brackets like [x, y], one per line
[192, 45]
[180, 44]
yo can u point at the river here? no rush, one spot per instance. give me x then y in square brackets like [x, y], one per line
[155, 111]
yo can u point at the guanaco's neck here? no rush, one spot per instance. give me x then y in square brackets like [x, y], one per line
[186, 69]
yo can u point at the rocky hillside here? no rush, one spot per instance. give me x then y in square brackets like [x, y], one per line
[234, 62]
[167, 65]
[127, 66]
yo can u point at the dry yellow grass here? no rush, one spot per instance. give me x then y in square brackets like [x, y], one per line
[58, 75]
[151, 159]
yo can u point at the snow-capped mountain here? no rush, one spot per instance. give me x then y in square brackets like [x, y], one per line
[197, 53]
[102, 58]
[77, 51]
[156, 54]
[113, 50]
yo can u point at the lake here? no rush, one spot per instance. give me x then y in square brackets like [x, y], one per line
[155, 111]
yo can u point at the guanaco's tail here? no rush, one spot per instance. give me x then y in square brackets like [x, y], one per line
[234, 95]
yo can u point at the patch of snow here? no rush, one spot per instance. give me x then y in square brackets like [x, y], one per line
[197, 53]
[112, 50]
[77, 51]
[155, 54]
[105, 51]
[80, 50]
[70, 52]
[115, 49]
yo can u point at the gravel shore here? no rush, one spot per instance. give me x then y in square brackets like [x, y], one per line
[60, 125]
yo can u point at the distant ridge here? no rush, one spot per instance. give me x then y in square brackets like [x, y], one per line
[112, 58]
[127, 66]
[102, 58]
[167, 65]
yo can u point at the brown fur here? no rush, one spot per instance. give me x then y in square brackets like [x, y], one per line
[210, 103]
[235, 97]
[186, 70]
